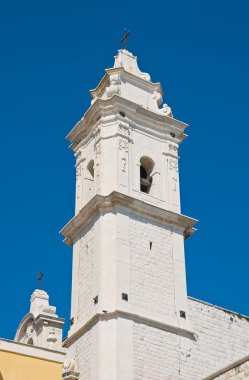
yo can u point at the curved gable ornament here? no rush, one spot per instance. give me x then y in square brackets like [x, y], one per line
[128, 61]
[41, 327]
[26, 330]
[126, 81]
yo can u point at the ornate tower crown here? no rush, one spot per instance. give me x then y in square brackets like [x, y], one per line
[126, 80]
[125, 136]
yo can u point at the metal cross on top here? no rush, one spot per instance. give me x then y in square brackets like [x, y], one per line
[40, 280]
[124, 38]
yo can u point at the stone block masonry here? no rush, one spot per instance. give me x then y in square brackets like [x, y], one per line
[152, 274]
[220, 337]
[236, 371]
[131, 317]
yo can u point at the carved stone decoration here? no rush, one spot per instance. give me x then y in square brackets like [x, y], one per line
[173, 165]
[41, 327]
[30, 333]
[173, 148]
[79, 157]
[69, 370]
[123, 164]
[158, 97]
[96, 134]
[70, 375]
[97, 149]
[114, 88]
[124, 129]
[174, 178]
[79, 171]
[78, 175]
[97, 169]
[123, 144]
[69, 365]
[166, 110]
[51, 339]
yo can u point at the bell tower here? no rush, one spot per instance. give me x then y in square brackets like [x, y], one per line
[128, 231]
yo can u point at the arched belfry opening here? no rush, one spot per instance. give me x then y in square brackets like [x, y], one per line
[146, 179]
[30, 342]
[90, 168]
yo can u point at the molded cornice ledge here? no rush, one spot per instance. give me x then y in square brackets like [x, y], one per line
[171, 327]
[116, 103]
[115, 199]
[139, 81]
[228, 368]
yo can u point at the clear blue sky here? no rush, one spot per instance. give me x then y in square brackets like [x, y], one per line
[52, 53]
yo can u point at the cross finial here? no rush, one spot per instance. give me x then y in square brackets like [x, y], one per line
[124, 38]
[40, 280]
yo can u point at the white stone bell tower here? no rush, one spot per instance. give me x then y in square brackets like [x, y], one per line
[128, 231]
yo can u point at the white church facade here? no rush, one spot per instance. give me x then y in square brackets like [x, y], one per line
[131, 317]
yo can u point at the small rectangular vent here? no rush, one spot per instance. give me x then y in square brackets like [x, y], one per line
[182, 314]
[124, 296]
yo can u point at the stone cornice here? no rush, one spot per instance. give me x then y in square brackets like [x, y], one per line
[143, 83]
[41, 318]
[228, 368]
[100, 107]
[116, 199]
[219, 308]
[128, 315]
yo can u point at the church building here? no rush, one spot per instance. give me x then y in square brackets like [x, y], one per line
[131, 317]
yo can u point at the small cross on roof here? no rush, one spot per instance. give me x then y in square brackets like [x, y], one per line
[124, 38]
